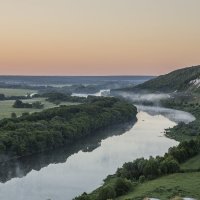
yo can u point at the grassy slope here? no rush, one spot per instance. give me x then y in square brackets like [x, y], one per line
[193, 163]
[6, 107]
[166, 187]
[178, 80]
[186, 184]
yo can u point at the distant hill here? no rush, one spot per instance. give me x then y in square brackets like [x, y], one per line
[181, 80]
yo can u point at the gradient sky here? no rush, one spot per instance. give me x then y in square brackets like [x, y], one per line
[98, 37]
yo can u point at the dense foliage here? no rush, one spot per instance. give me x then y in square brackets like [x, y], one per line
[189, 104]
[57, 98]
[62, 125]
[144, 169]
[4, 98]
[19, 104]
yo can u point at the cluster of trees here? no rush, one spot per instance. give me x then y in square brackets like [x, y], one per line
[57, 98]
[141, 169]
[4, 98]
[19, 104]
[154, 167]
[59, 126]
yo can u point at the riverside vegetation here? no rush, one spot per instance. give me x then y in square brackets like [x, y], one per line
[177, 173]
[60, 126]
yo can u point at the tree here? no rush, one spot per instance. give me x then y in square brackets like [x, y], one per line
[122, 186]
[13, 115]
[2, 97]
[37, 105]
[107, 192]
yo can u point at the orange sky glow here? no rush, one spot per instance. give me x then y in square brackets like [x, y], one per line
[98, 37]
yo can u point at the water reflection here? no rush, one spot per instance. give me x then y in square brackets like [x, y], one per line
[21, 167]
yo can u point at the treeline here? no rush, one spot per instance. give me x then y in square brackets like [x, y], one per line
[184, 131]
[57, 98]
[19, 104]
[140, 170]
[60, 126]
[4, 98]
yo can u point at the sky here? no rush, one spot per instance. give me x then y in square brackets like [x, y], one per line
[98, 37]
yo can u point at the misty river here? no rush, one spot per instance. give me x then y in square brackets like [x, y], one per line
[68, 172]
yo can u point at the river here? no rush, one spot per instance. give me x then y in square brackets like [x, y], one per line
[66, 173]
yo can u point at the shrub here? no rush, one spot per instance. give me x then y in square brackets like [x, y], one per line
[122, 186]
[142, 179]
[107, 192]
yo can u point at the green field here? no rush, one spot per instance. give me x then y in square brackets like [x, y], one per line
[6, 107]
[16, 92]
[167, 187]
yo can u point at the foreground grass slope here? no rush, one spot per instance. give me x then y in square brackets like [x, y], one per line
[167, 187]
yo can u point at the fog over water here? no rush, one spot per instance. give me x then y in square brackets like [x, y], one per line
[174, 115]
[144, 96]
[105, 92]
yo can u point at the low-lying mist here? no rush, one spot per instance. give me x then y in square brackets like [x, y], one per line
[144, 98]
[151, 103]
[172, 114]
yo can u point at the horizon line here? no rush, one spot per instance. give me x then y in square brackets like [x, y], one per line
[18, 75]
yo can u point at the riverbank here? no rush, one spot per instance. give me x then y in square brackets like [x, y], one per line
[165, 187]
[151, 178]
[183, 131]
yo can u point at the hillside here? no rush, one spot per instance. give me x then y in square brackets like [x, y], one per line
[186, 79]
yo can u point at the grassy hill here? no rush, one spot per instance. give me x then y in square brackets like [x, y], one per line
[186, 79]
[167, 187]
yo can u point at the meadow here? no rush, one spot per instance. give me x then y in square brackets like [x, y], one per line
[6, 108]
[16, 92]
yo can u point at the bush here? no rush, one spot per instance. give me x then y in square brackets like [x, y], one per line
[107, 192]
[122, 186]
[142, 179]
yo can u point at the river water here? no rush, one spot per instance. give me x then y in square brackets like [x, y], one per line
[66, 173]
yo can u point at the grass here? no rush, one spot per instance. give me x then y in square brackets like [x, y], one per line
[193, 163]
[16, 92]
[6, 107]
[167, 187]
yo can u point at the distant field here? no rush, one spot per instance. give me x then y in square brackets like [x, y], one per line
[185, 185]
[193, 163]
[16, 92]
[6, 107]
